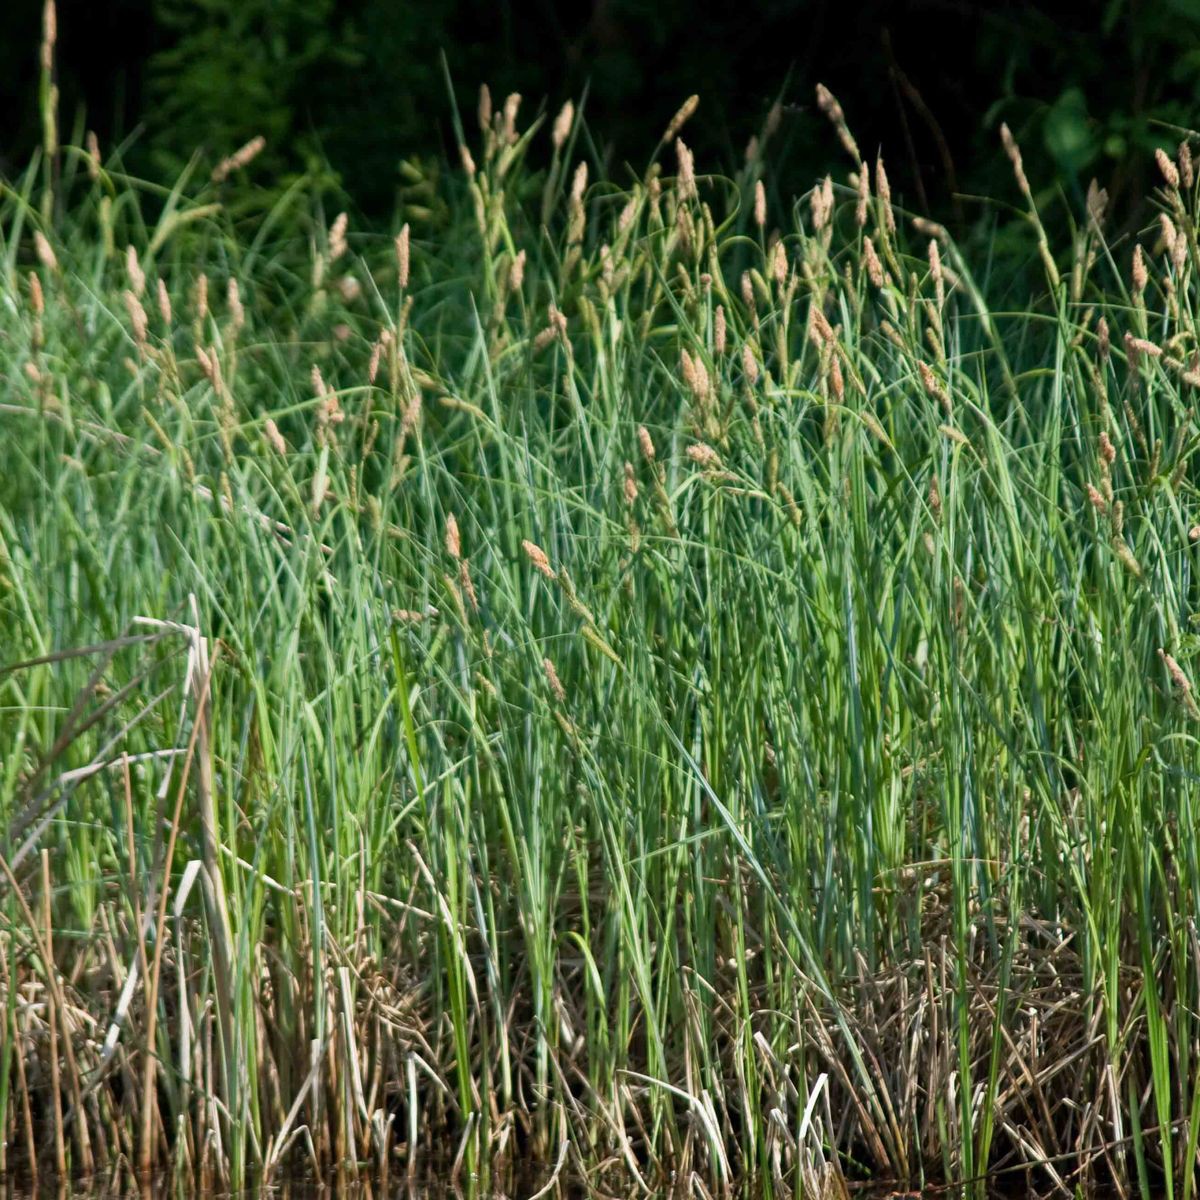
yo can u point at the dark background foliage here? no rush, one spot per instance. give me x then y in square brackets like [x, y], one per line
[356, 87]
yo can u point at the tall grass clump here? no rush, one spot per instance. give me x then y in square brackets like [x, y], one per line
[650, 680]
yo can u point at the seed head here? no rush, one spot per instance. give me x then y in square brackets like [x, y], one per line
[202, 298]
[1178, 678]
[240, 158]
[233, 301]
[45, 251]
[1185, 164]
[402, 251]
[93, 155]
[1169, 171]
[749, 364]
[1143, 346]
[271, 430]
[874, 266]
[164, 302]
[760, 204]
[1014, 156]
[1098, 502]
[1168, 232]
[1108, 452]
[703, 455]
[453, 541]
[49, 34]
[630, 487]
[484, 110]
[562, 125]
[864, 196]
[516, 273]
[779, 263]
[1097, 204]
[930, 382]
[337, 237]
[137, 317]
[836, 383]
[1140, 277]
[579, 183]
[686, 109]
[553, 680]
[719, 329]
[828, 104]
[646, 443]
[687, 171]
[512, 102]
[537, 556]
[884, 192]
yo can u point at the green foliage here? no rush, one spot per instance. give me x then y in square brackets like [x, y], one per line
[716, 696]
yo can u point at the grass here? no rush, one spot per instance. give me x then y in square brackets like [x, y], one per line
[658, 695]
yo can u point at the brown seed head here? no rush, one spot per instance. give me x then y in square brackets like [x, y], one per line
[240, 158]
[1097, 501]
[337, 237]
[137, 317]
[92, 145]
[402, 253]
[1169, 171]
[703, 455]
[562, 125]
[1142, 346]
[233, 301]
[202, 297]
[749, 364]
[646, 443]
[1140, 277]
[760, 204]
[836, 384]
[37, 300]
[45, 252]
[553, 680]
[1178, 678]
[827, 103]
[579, 183]
[537, 556]
[512, 102]
[164, 302]
[874, 266]
[686, 109]
[516, 273]
[779, 263]
[719, 329]
[134, 272]
[49, 34]
[630, 487]
[1168, 233]
[453, 541]
[272, 434]
[687, 171]
[884, 192]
